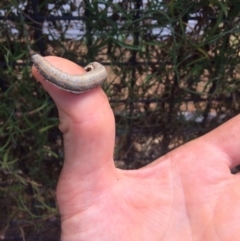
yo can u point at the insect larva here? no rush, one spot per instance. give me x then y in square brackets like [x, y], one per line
[95, 75]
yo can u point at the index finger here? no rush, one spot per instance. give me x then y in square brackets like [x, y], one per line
[226, 138]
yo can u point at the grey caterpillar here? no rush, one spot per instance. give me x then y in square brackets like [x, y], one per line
[95, 75]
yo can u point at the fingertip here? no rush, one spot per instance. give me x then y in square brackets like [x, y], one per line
[62, 64]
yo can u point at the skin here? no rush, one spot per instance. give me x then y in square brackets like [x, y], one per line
[188, 194]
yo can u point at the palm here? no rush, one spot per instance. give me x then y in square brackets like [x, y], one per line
[189, 194]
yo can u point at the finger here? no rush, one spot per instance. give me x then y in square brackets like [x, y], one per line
[226, 139]
[87, 122]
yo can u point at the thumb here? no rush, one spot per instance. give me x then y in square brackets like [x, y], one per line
[88, 127]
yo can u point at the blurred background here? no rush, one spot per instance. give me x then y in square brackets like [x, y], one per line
[173, 75]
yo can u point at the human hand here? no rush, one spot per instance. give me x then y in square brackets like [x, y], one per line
[188, 194]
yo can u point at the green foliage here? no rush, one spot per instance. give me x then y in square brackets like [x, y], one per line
[174, 74]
